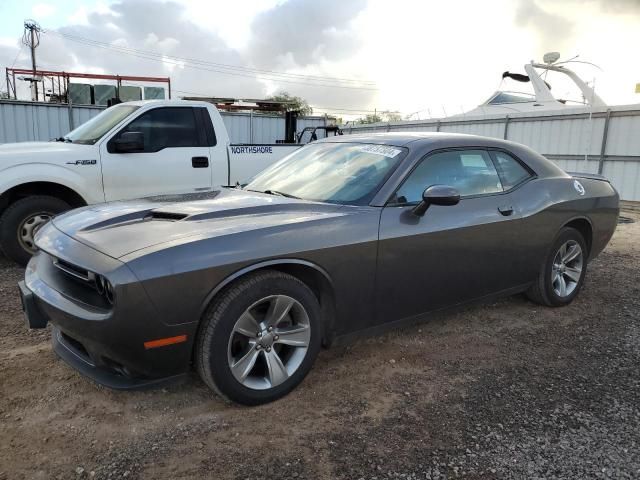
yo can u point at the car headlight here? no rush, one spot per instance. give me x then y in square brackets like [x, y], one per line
[104, 288]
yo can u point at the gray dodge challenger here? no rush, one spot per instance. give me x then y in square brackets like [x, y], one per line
[348, 235]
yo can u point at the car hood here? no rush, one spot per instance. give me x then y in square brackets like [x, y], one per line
[44, 152]
[121, 228]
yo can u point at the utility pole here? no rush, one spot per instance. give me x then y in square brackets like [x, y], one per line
[31, 38]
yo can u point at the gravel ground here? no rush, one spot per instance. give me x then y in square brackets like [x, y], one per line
[506, 390]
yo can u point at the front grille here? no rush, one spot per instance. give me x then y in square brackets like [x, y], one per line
[77, 283]
[74, 270]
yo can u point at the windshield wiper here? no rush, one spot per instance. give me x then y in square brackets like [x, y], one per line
[280, 194]
[273, 192]
[64, 139]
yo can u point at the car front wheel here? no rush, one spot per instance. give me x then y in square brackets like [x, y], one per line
[260, 338]
[563, 272]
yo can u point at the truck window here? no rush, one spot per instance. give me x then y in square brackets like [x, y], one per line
[90, 132]
[207, 133]
[169, 127]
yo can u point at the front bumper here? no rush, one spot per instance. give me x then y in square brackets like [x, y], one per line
[32, 314]
[105, 344]
[78, 359]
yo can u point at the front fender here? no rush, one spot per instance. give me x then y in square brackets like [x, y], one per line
[257, 266]
[85, 180]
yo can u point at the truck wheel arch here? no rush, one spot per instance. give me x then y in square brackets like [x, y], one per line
[53, 189]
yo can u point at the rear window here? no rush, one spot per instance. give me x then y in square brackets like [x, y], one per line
[511, 172]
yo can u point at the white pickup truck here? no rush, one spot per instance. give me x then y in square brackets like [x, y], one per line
[131, 150]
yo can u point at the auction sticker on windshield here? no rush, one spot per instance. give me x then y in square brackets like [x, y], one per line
[381, 150]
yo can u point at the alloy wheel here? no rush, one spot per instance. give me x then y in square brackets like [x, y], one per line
[269, 342]
[567, 268]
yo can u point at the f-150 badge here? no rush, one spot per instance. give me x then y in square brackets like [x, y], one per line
[82, 162]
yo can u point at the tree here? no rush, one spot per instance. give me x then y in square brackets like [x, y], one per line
[386, 116]
[392, 116]
[298, 104]
[370, 118]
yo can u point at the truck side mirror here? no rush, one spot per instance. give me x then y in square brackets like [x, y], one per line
[127, 142]
[436, 195]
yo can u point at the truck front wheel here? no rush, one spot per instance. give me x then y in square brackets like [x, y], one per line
[21, 220]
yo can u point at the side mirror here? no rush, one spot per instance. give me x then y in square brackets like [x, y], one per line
[128, 142]
[436, 195]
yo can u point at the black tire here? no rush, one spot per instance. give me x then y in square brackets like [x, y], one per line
[218, 322]
[14, 216]
[542, 291]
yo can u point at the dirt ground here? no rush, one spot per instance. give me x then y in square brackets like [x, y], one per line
[506, 390]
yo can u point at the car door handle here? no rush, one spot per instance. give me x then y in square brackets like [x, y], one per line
[505, 210]
[200, 162]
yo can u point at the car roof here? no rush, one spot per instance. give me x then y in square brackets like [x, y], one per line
[424, 142]
[418, 139]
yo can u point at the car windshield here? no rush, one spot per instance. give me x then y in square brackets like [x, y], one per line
[349, 173]
[90, 132]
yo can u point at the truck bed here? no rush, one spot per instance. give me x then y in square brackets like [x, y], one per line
[247, 159]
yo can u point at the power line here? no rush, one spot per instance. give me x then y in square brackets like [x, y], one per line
[205, 62]
[13, 64]
[227, 69]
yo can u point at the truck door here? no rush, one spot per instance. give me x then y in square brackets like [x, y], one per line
[174, 156]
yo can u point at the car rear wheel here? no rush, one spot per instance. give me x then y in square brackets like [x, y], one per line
[20, 222]
[563, 272]
[260, 338]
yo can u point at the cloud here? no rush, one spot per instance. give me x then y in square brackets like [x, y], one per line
[153, 26]
[42, 10]
[553, 31]
[620, 6]
[301, 36]
[305, 32]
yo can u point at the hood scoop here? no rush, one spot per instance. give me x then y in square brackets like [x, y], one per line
[168, 216]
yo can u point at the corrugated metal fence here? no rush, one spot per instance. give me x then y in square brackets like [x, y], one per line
[30, 121]
[602, 141]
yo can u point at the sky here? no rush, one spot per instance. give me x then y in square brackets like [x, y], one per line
[347, 57]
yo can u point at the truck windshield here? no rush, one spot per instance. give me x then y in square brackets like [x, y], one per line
[90, 132]
[346, 173]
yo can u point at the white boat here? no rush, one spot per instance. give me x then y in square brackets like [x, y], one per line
[586, 136]
[542, 100]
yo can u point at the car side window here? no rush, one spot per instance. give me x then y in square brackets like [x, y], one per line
[511, 172]
[169, 127]
[471, 172]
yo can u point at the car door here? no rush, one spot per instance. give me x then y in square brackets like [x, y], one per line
[453, 253]
[175, 157]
